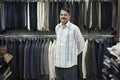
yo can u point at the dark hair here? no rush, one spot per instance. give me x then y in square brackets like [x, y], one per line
[66, 9]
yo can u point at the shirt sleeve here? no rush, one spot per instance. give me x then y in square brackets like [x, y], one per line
[79, 39]
[56, 28]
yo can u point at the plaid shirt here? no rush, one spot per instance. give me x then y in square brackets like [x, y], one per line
[70, 43]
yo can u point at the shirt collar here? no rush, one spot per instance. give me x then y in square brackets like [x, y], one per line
[67, 24]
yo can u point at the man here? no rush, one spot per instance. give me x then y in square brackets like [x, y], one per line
[70, 43]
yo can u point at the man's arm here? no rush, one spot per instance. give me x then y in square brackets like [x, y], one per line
[79, 40]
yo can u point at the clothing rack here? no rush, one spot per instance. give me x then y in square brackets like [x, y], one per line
[97, 36]
[49, 36]
[26, 36]
[54, 0]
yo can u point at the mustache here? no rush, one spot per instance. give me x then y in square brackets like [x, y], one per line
[63, 18]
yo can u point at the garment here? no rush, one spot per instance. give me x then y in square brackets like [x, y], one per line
[42, 54]
[114, 50]
[3, 9]
[39, 52]
[99, 15]
[13, 51]
[114, 15]
[42, 16]
[51, 56]
[20, 15]
[106, 15]
[21, 58]
[37, 56]
[86, 13]
[25, 60]
[96, 13]
[49, 59]
[70, 43]
[91, 11]
[33, 16]
[65, 73]
[32, 61]
[74, 14]
[88, 62]
[28, 59]
[45, 58]
[81, 13]
[28, 16]
[0, 16]
[83, 59]
[9, 16]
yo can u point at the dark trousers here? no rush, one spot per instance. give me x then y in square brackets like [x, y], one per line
[66, 73]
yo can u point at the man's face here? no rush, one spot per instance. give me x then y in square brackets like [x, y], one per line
[64, 16]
